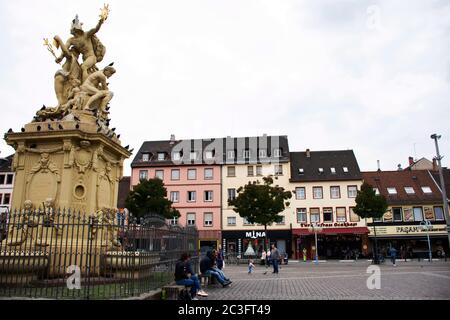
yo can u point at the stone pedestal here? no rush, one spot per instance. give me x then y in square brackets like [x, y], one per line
[76, 162]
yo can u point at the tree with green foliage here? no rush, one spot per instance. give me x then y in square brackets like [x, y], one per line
[150, 197]
[261, 203]
[370, 205]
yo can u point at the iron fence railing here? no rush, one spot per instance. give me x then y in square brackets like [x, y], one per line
[62, 254]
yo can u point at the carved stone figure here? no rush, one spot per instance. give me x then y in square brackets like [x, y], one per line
[105, 218]
[18, 231]
[44, 165]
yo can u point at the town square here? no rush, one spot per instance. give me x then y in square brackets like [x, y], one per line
[211, 151]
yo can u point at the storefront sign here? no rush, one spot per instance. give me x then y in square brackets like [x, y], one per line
[325, 225]
[408, 230]
[255, 234]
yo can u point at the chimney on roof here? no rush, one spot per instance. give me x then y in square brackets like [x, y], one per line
[308, 153]
[172, 139]
[378, 164]
[399, 167]
[435, 166]
[411, 161]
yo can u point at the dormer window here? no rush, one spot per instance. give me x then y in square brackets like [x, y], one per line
[161, 156]
[426, 190]
[209, 154]
[193, 155]
[333, 170]
[345, 169]
[246, 154]
[230, 154]
[392, 190]
[320, 170]
[262, 153]
[145, 157]
[377, 192]
[277, 152]
[301, 171]
[176, 156]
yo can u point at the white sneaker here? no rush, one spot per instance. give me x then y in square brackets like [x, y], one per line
[202, 293]
[195, 298]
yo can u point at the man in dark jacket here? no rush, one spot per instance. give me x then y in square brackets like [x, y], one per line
[275, 257]
[207, 268]
[184, 276]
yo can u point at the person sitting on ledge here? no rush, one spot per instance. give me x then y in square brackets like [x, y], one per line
[207, 268]
[184, 276]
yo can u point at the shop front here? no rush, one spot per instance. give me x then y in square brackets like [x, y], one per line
[208, 240]
[332, 242]
[250, 243]
[411, 240]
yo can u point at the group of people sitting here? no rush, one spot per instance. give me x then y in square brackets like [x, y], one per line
[210, 265]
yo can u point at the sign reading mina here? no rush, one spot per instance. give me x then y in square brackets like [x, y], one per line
[255, 234]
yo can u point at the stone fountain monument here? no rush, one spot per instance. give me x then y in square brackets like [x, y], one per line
[68, 156]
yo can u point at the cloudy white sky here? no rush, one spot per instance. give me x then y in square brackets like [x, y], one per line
[372, 76]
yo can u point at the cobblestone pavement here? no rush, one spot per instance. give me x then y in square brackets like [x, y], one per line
[335, 281]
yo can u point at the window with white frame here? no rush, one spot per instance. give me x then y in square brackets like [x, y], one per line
[300, 193]
[341, 214]
[231, 221]
[145, 157]
[231, 154]
[175, 174]
[190, 219]
[335, 192]
[2, 179]
[314, 215]
[397, 213]
[345, 169]
[320, 170]
[191, 196]
[259, 170]
[352, 191]
[192, 174]
[231, 171]
[353, 216]
[9, 178]
[278, 170]
[409, 190]
[246, 154]
[426, 190]
[174, 221]
[418, 213]
[333, 170]
[1, 198]
[193, 155]
[208, 219]
[176, 156]
[175, 196]
[143, 175]
[161, 156]
[209, 154]
[301, 215]
[159, 174]
[392, 190]
[262, 153]
[7, 198]
[231, 194]
[327, 214]
[301, 171]
[439, 213]
[250, 171]
[208, 196]
[317, 192]
[277, 152]
[209, 173]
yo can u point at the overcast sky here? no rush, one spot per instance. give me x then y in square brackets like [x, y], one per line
[372, 76]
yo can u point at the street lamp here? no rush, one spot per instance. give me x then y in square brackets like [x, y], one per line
[315, 228]
[426, 225]
[436, 137]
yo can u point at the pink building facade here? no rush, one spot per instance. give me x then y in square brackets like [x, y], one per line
[194, 187]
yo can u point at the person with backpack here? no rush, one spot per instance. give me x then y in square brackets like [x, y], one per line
[184, 276]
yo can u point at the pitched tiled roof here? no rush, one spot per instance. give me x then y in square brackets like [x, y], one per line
[6, 164]
[220, 146]
[437, 179]
[124, 189]
[307, 168]
[401, 179]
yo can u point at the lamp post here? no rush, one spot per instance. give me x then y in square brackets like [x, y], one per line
[436, 137]
[426, 225]
[315, 228]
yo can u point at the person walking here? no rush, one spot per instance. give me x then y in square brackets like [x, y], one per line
[251, 266]
[274, 256]
[393, 253]
[305, 252]
[263, 258]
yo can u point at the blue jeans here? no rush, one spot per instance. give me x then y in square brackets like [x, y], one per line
[216, 275]
[275, 265]
[192, 282]
[222, 274]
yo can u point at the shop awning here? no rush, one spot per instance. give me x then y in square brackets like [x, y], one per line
[330, 231]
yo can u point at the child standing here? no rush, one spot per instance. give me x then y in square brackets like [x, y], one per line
[251, 266]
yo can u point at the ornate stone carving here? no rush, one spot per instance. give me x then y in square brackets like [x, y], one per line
[105, 219]
[45, 165]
